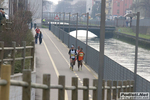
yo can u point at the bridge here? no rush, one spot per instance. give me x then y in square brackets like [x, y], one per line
[94, 28]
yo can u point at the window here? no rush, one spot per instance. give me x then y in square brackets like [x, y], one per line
[118, 11]
[118, 4]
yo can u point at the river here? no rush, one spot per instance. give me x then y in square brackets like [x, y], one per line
[121, 52]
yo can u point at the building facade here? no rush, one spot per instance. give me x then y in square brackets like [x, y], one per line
[119, 7]
[108, 8]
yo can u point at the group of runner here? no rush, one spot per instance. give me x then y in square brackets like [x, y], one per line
[76, 55]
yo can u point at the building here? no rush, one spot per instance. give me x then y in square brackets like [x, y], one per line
[119, 7]
[108, 8]
[89, 5]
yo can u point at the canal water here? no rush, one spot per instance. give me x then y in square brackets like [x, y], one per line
[121, 52]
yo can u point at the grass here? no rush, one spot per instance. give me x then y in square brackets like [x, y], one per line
[43, 26]
[18, 65]
[129, 31]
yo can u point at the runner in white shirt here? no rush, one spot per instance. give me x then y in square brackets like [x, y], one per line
[72, 53]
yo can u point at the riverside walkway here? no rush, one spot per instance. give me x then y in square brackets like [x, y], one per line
[52, 58]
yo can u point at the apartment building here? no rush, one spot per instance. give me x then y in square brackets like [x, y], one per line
[119, 7]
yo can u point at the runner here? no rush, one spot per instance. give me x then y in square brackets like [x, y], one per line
[72, 53]
[80, 58]
[78, 50]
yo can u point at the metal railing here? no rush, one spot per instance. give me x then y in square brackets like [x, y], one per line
[112, 69]
[12, 57]
[113, 88]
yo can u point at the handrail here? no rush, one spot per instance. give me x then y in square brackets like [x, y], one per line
[20, 58]
[17, 48]
[19, 83]
[3, 82]
[42, 86]
[56, 86]
[39, 86]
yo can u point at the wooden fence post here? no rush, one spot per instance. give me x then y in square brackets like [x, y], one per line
[95, 83]
[13, 57]
[46, 92]
[61, 92]
[125, 84]
[23, 55]
[120, 89]
[132, 83]
[86, 92]
[129, 88]
[5, 74]
[3, 25]
[109, 91]
[32, 54]
[115, 90]
[26, 91]
[1, 55]
[75, 92]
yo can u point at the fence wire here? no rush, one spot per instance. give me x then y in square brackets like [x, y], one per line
[112, 70]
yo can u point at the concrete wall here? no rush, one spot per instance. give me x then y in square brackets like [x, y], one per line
[142, 29]
[16, 91]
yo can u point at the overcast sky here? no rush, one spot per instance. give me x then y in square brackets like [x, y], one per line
[55, 1]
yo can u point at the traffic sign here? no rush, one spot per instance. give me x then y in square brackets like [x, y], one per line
[56, 17]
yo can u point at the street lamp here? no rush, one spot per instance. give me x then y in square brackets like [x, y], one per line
[76, 27]
[63, 24]
[101, 51]
[69, 30]
[136, 47]
[86, 34]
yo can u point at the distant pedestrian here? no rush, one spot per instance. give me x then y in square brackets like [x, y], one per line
[3, 13]
[36, 37]
[37, 34]
[40, 37]
[127, 22]
[34, 25]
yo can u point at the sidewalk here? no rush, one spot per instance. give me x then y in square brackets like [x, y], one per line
[52, 58]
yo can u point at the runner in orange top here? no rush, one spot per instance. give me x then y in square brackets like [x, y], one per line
[80, 58]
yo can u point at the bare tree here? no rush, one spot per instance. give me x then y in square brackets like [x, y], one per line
[19, 28]
[1, 3]
[143, 6]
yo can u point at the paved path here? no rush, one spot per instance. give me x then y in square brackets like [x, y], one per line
[52, 58]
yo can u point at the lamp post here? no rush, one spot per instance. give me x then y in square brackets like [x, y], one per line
[87, 34]
[98, 14]
[69, 30]
[76, 27]
[59, 23]
[101, 51]
[63, 24]
[136, 46]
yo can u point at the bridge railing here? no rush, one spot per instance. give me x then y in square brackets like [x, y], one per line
[11, 59]
[111, 89]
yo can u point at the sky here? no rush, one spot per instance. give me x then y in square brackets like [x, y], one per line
[55, 1]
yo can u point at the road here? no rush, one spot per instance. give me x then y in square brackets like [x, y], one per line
[52, 58]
